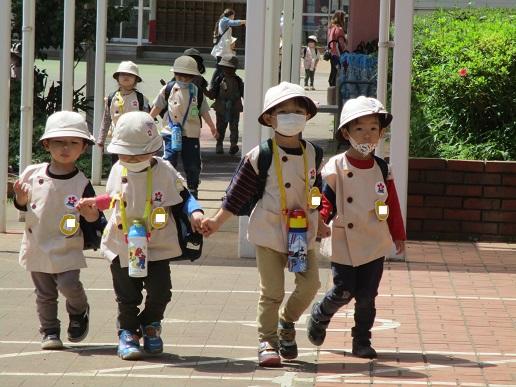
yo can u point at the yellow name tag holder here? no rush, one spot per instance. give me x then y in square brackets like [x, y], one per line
[68, 225]
[159, 218]
[315, 198]
[381, 209]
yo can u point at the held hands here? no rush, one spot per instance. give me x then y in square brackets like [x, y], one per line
[214, 132]
[400, 247]
[210, 226]
[196, 221]
[323, 230]
[22, 191]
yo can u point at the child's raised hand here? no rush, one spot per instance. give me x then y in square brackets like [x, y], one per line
[400, 247]
[87, 209]
[196, 221]
[209, 226]
[21, 191]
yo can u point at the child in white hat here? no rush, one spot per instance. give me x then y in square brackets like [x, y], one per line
[310, 60]
[126, 98]
[185, 106]
[361, 202]
[55, 230]
[142, 187]
[291, 181]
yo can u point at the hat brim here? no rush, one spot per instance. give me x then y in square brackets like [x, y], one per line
[185, 71]
[312, 107]
[121, 148]
[67, 132]
[116, 74]
[385, 117]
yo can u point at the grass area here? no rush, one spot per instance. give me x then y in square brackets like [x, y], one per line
[151, 75]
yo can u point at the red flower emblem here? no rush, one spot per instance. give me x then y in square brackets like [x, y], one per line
[463, 72]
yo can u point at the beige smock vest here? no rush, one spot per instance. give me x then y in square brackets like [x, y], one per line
[267, 227]
[130, 104]
[166, 185]
[357, 236]
[177, 109]
[44, 248]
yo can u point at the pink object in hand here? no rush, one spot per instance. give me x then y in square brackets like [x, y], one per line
[103, 202]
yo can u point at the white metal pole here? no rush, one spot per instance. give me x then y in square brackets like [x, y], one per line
[383, 58]
[27, 86]
[98, 105]
[296, 40]
[68, 55]
[5, 74]
[286, 50]
[253, 97]
[402, 70]
[140, 22]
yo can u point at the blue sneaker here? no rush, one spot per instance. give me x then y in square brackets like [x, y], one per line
[152, 342]
[129, 345]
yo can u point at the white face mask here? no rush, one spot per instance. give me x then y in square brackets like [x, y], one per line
[290, 124]
[136, 167]
[364, 149]
[182, 84]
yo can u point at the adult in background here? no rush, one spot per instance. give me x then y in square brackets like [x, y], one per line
[222, 37]
[337, 43]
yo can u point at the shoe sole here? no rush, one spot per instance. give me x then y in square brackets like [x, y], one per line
[52, 345]
[270, 361]
[133, 355]
[288, 356]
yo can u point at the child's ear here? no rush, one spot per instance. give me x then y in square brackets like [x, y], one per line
[45, 144]
[267, 118]
[344, 132]
[382, 132]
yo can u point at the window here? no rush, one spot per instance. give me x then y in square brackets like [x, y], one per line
[128, 31]
[317, 15]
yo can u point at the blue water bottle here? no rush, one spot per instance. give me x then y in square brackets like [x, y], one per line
[176, 137]
[138, 251]
[297, 241]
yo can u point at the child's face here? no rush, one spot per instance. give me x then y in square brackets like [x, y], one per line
[184, 77]
[311, 43]
[127, 81]
[289, 106]
[364, 130]
[65, 150]
[135, 158]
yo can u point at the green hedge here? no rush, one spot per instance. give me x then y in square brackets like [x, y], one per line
[464, 85]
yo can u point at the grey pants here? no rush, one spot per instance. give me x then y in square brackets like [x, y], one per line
[47, 287]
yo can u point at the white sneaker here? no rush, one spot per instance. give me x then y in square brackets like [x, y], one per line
[51, 341]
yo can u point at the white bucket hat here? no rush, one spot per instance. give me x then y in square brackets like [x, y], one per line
[129, 68]
[282, 92]
[312, 37]
[135, 133]
[363, 106]
[185, 65]
[67, 124]
[229, 61]
[233, 39]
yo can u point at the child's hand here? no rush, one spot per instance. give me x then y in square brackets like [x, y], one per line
[323, 230]
[210, 226]
[21, 190]
[87, 209]
[85, 202]
[400, 247]
[196, 221]
[214, 132]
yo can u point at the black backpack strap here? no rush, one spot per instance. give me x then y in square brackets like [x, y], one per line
[141, 101]
[168, 89]
[318, 155]
[199, 97]
[383, 166]
[110, 99]
[264, 162]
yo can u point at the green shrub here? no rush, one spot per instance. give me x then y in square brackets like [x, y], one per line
[463, 87]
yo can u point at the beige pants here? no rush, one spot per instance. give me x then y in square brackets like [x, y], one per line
[271, 266]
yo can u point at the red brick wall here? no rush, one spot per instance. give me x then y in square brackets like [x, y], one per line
[461, 200]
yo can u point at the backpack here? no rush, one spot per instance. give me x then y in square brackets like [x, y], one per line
[384, 167]
[139, 96]
[264, 162]
[190, 242]
[168, 90]
[304, 52]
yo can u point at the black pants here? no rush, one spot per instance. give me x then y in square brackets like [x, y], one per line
[223, 119]
[216, 73]
[361, 283]
[128, 291]
[309, 75]
[334, 62]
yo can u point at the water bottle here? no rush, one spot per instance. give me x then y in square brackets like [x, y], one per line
[138, 254]
[176, 137]
[297, 241]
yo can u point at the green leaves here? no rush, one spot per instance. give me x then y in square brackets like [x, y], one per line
[464, 72]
